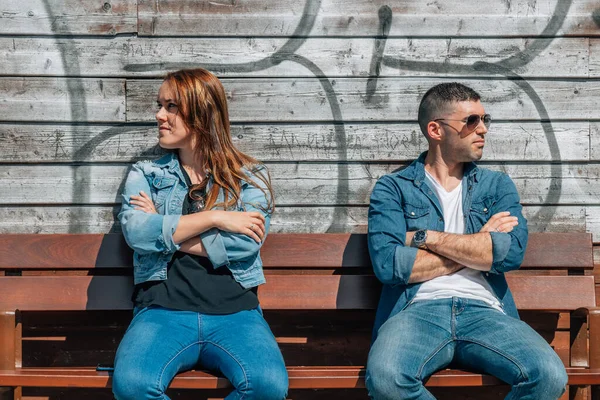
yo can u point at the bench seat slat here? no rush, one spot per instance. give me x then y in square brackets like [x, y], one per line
[300, 378]
[309, 292]
[281, 250]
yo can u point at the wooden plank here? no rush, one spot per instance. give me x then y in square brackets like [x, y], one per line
[341, 18]
[548, 249]
[305, 184]
[33, 143]
[64, 252]
[72, 293]
[102, 219]
[293, 292]
[394, 99]
[594, 140]
[68, 17]
[60, 99]
[328, 250]
[300, 378]
[594, 60]
[592, 217]
[528, 292]
[241, 57]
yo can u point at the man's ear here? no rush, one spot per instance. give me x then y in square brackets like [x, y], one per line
[434, 131]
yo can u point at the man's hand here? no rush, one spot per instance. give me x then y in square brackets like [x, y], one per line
[473, 251]
[500, 222]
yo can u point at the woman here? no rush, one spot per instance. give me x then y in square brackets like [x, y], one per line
[196, 219]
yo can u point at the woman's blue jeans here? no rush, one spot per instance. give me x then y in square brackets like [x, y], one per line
[161, 342]
[428, 335]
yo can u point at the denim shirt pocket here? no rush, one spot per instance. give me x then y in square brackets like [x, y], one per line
[416, 216]
[481, 211]
[161, 186]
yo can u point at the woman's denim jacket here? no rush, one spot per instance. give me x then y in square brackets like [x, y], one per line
[151, 235]
[403, 201]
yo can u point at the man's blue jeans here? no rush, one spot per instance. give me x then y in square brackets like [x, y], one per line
[428, 335]
[161, 342]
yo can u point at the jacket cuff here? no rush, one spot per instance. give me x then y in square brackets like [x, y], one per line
[169, 224]
[404, 260]
[500, 247]
[215, 248]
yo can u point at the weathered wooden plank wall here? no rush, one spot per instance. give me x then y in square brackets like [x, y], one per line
[324, 91]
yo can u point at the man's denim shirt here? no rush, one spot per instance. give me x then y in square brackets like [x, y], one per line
[403, 201]
[151, 235]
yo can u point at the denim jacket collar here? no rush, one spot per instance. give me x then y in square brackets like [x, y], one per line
[170, 162]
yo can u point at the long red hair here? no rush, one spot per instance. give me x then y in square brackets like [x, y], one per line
[202, 104]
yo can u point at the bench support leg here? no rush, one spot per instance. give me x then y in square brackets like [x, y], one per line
[579, 392]
[10, 350]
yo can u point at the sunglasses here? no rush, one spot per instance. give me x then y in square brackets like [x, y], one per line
[472, 121]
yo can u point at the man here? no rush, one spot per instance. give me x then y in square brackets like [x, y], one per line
[442, 233]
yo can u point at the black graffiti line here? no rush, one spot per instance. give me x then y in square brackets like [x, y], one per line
[305, 25]
[520, 59]
[339, 215]
[504, 68]
[385, 23]
[544, 215]
[285, 53]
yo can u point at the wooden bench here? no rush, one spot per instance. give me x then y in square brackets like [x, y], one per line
[55, 291]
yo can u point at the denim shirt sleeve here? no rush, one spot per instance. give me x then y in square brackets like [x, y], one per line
[145, 233]
[508, 248]
[226, 247]
[392, 260]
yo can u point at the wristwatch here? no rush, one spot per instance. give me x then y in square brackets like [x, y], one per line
[419, 239]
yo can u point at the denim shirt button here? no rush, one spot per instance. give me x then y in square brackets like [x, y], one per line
[412, 213]
[485, 209]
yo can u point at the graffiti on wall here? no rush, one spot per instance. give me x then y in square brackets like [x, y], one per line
[505, 68]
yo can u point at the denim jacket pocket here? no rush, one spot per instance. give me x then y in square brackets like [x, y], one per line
[416, 216]
[481, 211]
[160, 185]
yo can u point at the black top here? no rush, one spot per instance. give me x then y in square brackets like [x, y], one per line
[194, 285]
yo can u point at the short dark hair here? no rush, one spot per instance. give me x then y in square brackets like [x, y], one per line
[437, 99]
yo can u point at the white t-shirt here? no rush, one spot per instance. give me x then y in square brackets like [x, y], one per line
[466, 283]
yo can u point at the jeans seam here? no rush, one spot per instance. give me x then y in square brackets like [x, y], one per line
[433, 354]
[501, 353]
[200, 327]
[162, 372]
[234, 359]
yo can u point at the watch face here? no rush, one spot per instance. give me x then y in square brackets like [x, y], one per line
[419, 236]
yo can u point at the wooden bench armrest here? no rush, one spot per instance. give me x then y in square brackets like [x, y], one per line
[7, 339]
[585, 325]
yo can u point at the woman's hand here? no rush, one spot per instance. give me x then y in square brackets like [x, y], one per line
[143, 202]
[249, 223]
[500, 222]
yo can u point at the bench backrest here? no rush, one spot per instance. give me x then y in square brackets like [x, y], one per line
[304, 271]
